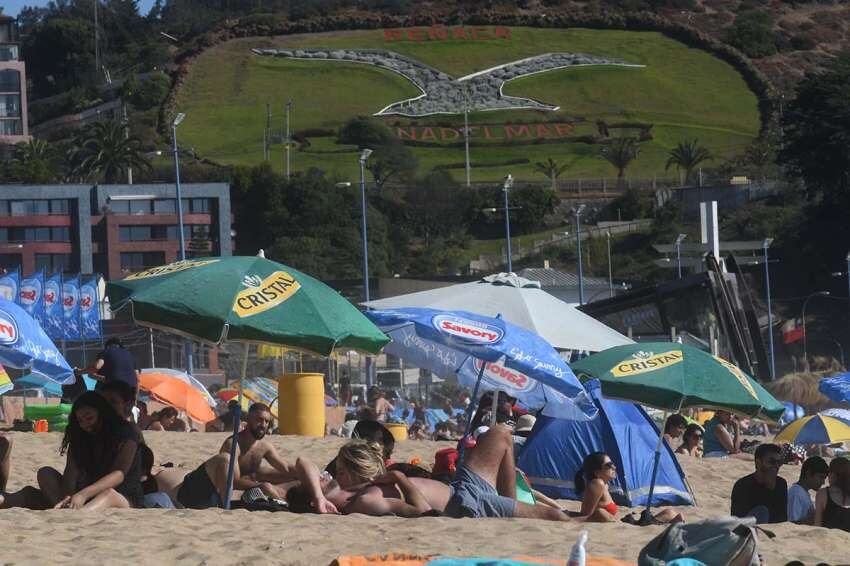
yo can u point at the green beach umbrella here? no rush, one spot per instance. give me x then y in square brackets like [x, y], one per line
[672, 376]
[248, 300]
[245, 299]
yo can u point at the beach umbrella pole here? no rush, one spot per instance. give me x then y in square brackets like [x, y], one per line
[235, 438]
[646, 516]
[469, 412]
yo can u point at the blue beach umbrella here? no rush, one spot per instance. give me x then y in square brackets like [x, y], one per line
[486, 352]
[51, 388]
[24, 345]
[836, 388]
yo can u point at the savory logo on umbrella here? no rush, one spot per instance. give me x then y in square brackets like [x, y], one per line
[739, 375]
[263, 294]
[8, 329]
[643, 362]
[502, 376]
[170, 268]
[470, 331]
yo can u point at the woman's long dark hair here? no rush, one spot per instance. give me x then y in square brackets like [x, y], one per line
[93, 453]
[593, 462]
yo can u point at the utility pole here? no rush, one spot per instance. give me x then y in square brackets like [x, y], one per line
[466, 138]
[96, 41]
[287, 139]
[127, 137]
[267, 133]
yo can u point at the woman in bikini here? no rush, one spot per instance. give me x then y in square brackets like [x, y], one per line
[691, 441]
[597, 505]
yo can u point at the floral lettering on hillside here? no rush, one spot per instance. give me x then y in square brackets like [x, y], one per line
[443, 33]
[504, 132]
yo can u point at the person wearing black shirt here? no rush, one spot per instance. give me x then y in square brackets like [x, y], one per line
[113, 364]
[763, 494]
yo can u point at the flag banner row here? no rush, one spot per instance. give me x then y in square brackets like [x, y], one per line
[67, 309]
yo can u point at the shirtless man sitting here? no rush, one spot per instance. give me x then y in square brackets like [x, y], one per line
[207, 485]
[485, 485]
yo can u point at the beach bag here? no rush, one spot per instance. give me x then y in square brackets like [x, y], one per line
[726, 540]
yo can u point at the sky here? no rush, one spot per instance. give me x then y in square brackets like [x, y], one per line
[12, 7]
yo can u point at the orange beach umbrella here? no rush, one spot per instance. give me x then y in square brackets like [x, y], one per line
[179, 394]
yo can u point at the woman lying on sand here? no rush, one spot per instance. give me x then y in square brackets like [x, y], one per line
[597, 505]
[484, 486]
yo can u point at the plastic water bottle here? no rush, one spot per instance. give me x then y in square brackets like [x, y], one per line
[577, 553]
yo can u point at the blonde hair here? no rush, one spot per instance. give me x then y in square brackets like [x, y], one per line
[364, 460]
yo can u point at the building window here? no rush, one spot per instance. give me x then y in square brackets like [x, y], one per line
[4, 208]
[10, 105]
[119, 206]
[137, 261]
[11, 127]
[140, 207]
[10, 261]
[10, 81]
[54, 262]
[30, 207]
[9, 53]
[59, 206]
[35, 234]
[165, 206]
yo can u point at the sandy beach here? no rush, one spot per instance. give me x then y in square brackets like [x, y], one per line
[239, 537]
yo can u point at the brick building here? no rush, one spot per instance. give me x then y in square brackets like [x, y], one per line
[13, 86]
[109, 229]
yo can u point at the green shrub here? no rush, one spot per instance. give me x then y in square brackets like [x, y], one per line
[752, 33]
[151, 92]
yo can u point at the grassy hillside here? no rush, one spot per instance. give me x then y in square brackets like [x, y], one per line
[685, 93]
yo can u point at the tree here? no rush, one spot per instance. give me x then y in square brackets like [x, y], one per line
[33, 162]
[390, 160]
[752, 33]
[551, 170]
[686, 156]
[103, 151]
[620, 153]
[59, 54]
[366, 131]
[436, 206]
[816, 127]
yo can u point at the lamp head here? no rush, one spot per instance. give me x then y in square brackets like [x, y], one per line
[177, 119]
[767, 242]
[577, 210]
[364, 155]
[680, 238]
[509, 182]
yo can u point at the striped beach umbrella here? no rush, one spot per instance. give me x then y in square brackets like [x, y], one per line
[816, 429]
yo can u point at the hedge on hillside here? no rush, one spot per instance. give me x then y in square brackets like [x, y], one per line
[275, 25]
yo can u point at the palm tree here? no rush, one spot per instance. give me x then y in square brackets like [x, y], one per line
[620, 153]
[104, 151]
[686, 156]
[551, 170]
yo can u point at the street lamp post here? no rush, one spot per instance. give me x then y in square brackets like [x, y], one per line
[765, 246]
[509, 182]
[610, 269]
[364, 155]
[577, 211]
[805, 334]
[679, 239]
[177, 119]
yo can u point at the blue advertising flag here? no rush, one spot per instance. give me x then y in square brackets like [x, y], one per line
[54, 318]
[71, 308]
[9, 285]
[90, 309]
[31, 295]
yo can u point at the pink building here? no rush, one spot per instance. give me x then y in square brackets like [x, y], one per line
[13, 86]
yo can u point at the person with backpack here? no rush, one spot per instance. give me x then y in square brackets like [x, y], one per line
[763, 494]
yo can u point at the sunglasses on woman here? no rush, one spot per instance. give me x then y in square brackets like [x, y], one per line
[609, 465]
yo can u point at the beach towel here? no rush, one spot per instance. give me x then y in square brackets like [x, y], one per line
[401, 559]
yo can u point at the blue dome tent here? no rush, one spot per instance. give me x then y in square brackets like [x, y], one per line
[556, 448]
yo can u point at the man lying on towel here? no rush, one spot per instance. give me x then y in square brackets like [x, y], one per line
[484, 486]
[207, 485]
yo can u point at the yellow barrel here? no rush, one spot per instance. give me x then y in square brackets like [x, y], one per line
[301, 404]
[399, 431]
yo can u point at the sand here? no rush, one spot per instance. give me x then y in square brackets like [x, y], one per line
[217, 537]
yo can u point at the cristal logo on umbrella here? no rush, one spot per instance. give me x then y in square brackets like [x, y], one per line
[739, 375]
[170, 268]
[262, 294]
[643, 362]
[8, 329]
[500, 375]
[470, 331]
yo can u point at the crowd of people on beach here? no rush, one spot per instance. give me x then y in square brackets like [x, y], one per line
[109, 465]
